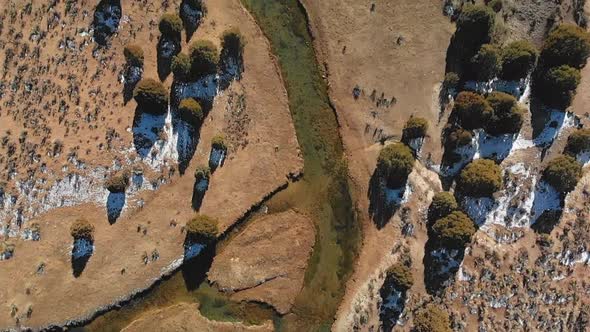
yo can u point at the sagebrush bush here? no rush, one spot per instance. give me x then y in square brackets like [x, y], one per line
[170, 25]
[415, 127]
[395, 163]
[118, 182]
[518, 59]
[133, 55]
[401, 276]
[202, 228]
[431, 318]
[507, 116]
[202, 173]
[567, 44]
[487, 63]
[82, 229]
[481, 178]
[204, 58]
[578, 141]
[458, 137]
[475, 24]
[190, 111]
[181, 67]
[232, 42]
[218, 142]
[454, 231]
[563, 173]
[472, 110]
[558, 86]
[443, 203]
[151, 96]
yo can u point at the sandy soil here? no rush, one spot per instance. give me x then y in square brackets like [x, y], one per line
[186, 317]
[116, 269]
[266, 262]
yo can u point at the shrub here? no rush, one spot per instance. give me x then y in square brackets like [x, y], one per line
[451, 81]
[151, 96]
[401, 275]
[482, 177]
[190, 111]
[458, 137]
[170, 25]
[431, 319]
[487, 63]
[567, 44]
[496, 5]
[578, 141]
[475, 24]
[518, 59]
[118, 183]
[232, 42]
[133, 55]
[218, 142]
[202, 228]
[202, 172]
[415, 127]
[508, 115]
[82, 229]
[559, 86]
[181, 67]
[443, 203]
[563, 173]
[454, 231]
[395, 163]
[204, 58]
[472, 110]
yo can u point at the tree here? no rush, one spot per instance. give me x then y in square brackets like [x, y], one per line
[454, 231]
[202, 173]
[472, 110]
[202, 228]
[475, 23]
[508, 115]
[415, 127]
[181, 67]
[118, 183]
[458, 137]
[170, 25]
[563, 173]
[82, 229]
[190, 111]
[401, 275]
[431, 319]
[567, 44]
[133, 55]
[578, 141]
[443, 203]
[395, 163]
[232, 42]
[204, 58]
[218, 142]
[518, 59]
[482, 177]
[451, 81]
[151, 96]
[558, 87]
[487, 63]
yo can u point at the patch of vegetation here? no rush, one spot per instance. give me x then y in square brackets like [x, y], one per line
[481, 178]
[518, 59]
[415, 127]
[232, 42]
[204, 58]
[563, 173]
[487, 63]
[82, 229]
[443, 203]
[218, 142]
[191, 111]
[181, 67]
[431, 318]
[118, 183]
[133, 55]
[496, 5]
[395, 163]
[202, 173]
[578, 142]
[401, 276]
[151, 96]
[558, 87]
[475, 24]
[202, 228]
[508, 115]
[170, 25]
[454, 231]
[472, 110]
[567, 44]
[451, 81]
[458, 137]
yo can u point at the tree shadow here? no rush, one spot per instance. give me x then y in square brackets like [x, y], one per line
[81, 252]
[198, 258]
[191, 17]
[440, 266]
[547, 208]
[132, 77]
[231, 67]
[168, 47]
[115, 205]
[146, 130]
[216, 158]
[384, 201]
[394, 301]
[199, 191]
[107, 16]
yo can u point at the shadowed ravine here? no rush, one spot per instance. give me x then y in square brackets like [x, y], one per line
[323, 193]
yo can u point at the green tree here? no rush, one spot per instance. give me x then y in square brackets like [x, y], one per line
[232, 42]
[518, 59]
[559, 86]
[563, 173]
[458, 137]
[451, 81]
[118, 183]
[472, 110]
[133, 55]
[202, 173]
[218, 142]
[395, 163]
[202, 228]
[204, 58]
[401, 275]
[151, 96]
[454, 231]
[431, 319]
[443, 203]
[567, 44]
[476, 23]
[578, 141]
[508, 115]
[481, 178]
[181, 67]
[82, 229]
[170, 25]
[190, 111]
[487, 63]
[415, 127]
